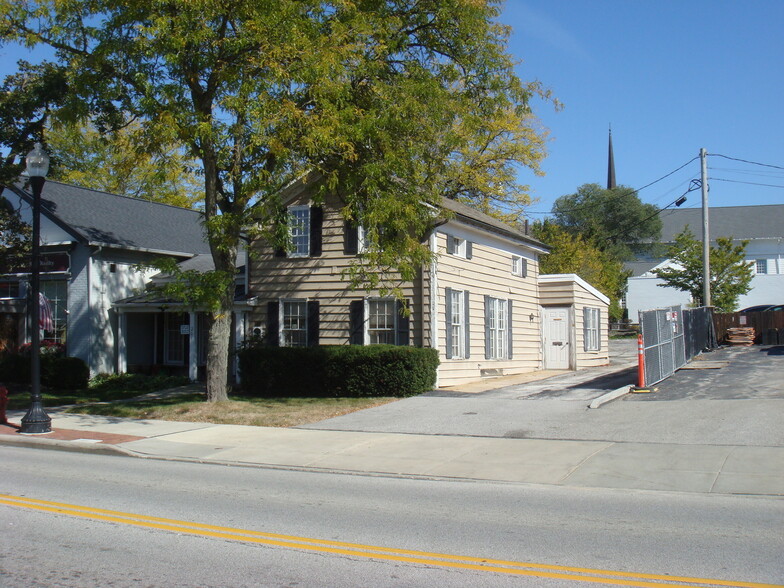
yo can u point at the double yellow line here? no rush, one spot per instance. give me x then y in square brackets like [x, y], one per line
[372, 551]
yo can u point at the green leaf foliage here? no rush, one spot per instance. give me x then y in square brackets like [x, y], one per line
[616, 220]
[15, 237]
[578, 254]
[730, 273]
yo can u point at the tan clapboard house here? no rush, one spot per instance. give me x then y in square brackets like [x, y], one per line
[478, 303]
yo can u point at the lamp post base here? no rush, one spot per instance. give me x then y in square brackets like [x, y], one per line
[36, 421]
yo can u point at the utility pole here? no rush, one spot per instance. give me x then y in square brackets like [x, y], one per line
[706, 288]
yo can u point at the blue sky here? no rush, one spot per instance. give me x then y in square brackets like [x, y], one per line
[670, 76]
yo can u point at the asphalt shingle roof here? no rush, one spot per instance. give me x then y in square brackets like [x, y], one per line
[741, 222]
[111, 220]
[488, 222]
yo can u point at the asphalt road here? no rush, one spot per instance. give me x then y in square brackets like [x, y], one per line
[563, 535]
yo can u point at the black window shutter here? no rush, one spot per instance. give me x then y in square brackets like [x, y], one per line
[272, 336]
[401, 333]
[316, 222]
[356, 312]
[448, 322]
[524, 267]
[467, 324]
[350, 238]
[509, 330]
[313, 323]
[469, 250]
[450, 244]
[488, 301]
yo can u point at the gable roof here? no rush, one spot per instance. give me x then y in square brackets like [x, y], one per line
[110, 220]
[484, 221]
[741, 222]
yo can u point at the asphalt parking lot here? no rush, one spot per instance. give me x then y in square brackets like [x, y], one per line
[739, 402]
[729, 373]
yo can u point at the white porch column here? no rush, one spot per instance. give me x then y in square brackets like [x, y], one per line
[122, 348]
[193, 347]
[239, 337]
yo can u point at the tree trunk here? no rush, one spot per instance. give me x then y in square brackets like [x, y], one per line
[218, 356]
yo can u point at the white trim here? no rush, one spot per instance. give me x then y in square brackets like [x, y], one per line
[434, 295]
[558, 278]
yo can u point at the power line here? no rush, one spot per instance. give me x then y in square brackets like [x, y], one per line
[746, 161]
[749, 183]
[695, 185]
[622, 194]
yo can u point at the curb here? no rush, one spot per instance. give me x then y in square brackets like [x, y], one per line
[605, 398]
[61, 445]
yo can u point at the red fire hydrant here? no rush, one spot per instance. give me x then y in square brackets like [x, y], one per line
[3, 404]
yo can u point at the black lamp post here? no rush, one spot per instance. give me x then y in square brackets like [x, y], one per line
[36, 421]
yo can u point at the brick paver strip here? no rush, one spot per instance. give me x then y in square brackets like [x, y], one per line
[71, 435]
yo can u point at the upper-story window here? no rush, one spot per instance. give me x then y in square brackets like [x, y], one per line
[299, 231]
[762, 266]
[304, 225]
[459, 247]
[519, 266]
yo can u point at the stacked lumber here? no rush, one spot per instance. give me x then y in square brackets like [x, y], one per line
[740, 336]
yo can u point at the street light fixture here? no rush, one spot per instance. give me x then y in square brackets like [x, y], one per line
[36, 421]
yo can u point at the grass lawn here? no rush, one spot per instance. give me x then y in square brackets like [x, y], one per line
[260, 412]
[115, 388]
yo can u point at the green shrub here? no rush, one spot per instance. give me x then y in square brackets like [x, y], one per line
[63, 373]
[337, 371]
[103, 383]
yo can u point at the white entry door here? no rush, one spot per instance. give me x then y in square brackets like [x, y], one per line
[555, 327]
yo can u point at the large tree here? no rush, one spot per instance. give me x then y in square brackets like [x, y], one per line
[577, 254]
[615, 219]
[730, 273]
[393, 103]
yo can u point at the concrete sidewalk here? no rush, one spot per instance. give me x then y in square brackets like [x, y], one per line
[645, 466]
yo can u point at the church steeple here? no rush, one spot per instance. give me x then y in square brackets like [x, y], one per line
[610, 165]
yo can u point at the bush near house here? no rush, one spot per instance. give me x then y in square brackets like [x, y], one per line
[64, 373]
[337, 371]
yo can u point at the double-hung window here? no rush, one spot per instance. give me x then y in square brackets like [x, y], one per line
[381, 320]
[591, 331]
[293, 323]
[497, 328]
[299, 231]
[458, 344]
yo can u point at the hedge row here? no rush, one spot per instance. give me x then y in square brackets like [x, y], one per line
[64, 373]
[337, 371]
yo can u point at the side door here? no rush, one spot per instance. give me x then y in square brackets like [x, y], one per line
[555, 338]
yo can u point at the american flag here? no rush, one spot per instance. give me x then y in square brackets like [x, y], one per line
[45, 320]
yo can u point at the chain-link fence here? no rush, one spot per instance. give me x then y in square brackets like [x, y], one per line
[671, 337]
